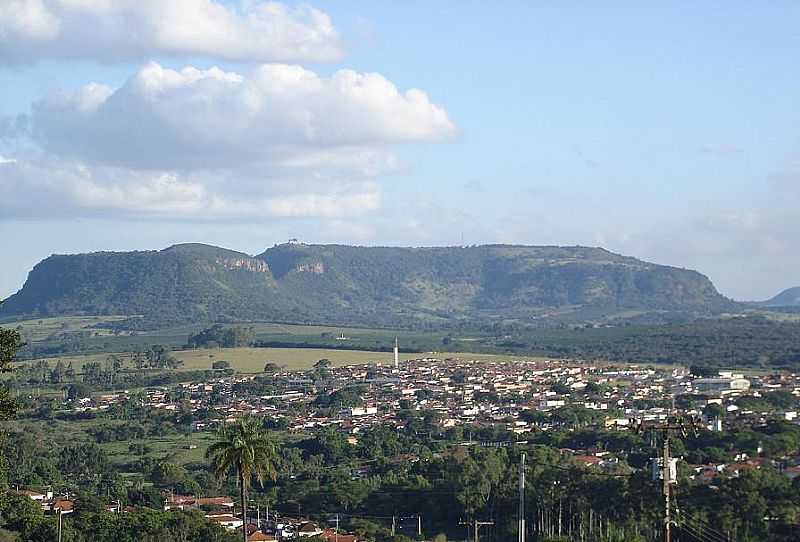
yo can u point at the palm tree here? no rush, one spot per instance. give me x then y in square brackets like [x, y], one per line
[246, 448]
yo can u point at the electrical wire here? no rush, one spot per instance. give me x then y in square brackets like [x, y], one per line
[704, 534]
[710, 527]
[699, 535]
[706, 530]
[705, 525]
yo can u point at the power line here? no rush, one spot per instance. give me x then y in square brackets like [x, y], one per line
[699, 533]
[697, 523]
[709, 526]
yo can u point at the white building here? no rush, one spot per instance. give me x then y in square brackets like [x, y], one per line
[726, 382]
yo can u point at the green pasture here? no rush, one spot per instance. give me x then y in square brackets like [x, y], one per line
[252, 360]
[37, 330]
[181, 449]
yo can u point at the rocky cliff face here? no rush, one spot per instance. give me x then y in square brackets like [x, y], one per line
[245, 264]
[317, 268]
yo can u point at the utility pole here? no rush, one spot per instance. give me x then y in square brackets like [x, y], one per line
[664, 466]
[59, 524]
[419, 525]
[522, 499]
[666, 482]
[394, 524]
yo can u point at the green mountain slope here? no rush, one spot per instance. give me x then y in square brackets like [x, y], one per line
[180, 283]
[492, 281]
[364, 285]
[787, 298]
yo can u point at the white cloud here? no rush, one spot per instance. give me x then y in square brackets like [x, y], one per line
[119, 30]
[44, 187]
[196, 119]
[192, 144]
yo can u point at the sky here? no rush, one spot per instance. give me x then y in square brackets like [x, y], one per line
[669, 132]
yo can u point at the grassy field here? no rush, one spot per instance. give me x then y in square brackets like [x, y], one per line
[85, 338]
[252, 360]
[178, 449]
[42, 329]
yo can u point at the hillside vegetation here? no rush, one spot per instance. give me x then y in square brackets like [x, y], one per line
[787, 298]
[384, 286]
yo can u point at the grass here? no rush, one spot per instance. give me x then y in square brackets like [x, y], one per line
[53, 332]
[41, 329]
[252, 360]
[177, 448]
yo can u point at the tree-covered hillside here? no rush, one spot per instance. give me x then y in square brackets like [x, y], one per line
[382, 286]
[485, 282]
[181, 283]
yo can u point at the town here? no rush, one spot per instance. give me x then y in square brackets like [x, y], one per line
[462, 403]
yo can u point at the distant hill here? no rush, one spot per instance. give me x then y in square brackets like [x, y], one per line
[787, 298]
[364, 285]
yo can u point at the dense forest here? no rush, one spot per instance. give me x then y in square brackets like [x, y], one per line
[736, 342]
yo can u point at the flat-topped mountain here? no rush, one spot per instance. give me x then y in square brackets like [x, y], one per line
[363, 285]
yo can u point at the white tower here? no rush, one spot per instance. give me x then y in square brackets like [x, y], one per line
[396, 354]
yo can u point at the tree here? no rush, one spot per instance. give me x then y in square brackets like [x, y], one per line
[57, 374]
[247, 449]
[93, 373]
[78, 390]
[220, 364]
[713, 410]
[10, 342]
[560, 388]
[703, 371]
[272, 367]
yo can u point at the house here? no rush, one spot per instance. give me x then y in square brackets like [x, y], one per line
[330, 536]
[308, 529]
[226, 520]
[35, 495]
[182, 502]
[258, 536]
[792, 472]
[726, 382]
[58, 505]
[589, 460]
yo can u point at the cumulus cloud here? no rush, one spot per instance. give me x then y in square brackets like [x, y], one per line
[192, 118]
[120, 30]
[46, 187]
[279, 141]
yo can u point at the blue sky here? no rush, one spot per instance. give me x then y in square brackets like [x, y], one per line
[668, 133]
